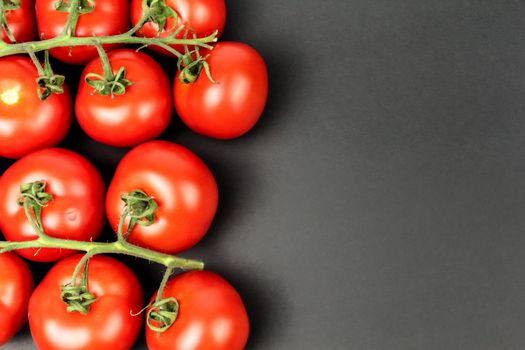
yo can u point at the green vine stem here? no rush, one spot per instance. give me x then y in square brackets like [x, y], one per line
[33, 198]
[67, 39]
[95, 248]
[140, 209]
[162, 312]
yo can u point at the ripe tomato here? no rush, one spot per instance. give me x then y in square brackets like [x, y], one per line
[203, 16]
[111, 322]
[230, 107]
[182, 186]
[26, 122]
[16, 286]
[21, 22]
[141, 114]
[75, 212]
[109, 17]
[211, 315]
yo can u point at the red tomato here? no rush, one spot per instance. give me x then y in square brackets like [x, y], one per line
[182, 186]
[230, 107]
[21, 22]
[75, 212]
[16, 286]
[141, 114]
[26, 123]
[203, 16]
[109, 17]
[111, 322]
[211, 315]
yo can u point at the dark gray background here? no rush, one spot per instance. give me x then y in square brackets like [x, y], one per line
[379, 203]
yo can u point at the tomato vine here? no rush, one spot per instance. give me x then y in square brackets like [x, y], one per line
[139, 208]
[154, 11]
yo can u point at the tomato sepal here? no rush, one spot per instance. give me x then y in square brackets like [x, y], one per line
[162, 314]
[84, 6]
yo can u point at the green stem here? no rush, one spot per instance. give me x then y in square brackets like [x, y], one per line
[163, 283]
[36, 223]
[120, 227]
[95, 248]
[106, 66]
[126, 38]
[72, 19]
[36, 62]
[79, 266]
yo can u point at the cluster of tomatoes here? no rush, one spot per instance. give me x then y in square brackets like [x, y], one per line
[211, 314]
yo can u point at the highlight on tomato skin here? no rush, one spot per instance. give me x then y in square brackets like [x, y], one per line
[211, 315]
[21, 23]
[231, 105]
[183, 187]
[28, 124]
[204, 17]
[113, 321]
[76, 210]
[16, 286]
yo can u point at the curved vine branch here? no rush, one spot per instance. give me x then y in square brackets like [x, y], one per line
[68, 39]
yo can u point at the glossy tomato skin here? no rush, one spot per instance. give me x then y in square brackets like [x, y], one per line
[182, 186]
[16, 286]
[110, 17]
[204, 17]
[141, 114]
[230, 107]
[211, 315]
[26, 123]
[21, 23]
[109, 324]
[75, 212]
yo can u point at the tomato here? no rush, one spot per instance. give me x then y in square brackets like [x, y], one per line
[26, 122]
[211, 315]
[75, 212]
[108, 17]
[181, 184]
[141, 114]
[21, 22]
[230, 107]
[16, 286]
[111, 322]
[203, 16]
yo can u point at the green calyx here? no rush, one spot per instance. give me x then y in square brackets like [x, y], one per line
[48, 82]
[115, 85]
[190, 69]
[76, 296]
[33, 197]
[84, 6]
[33, 194]
[158, 12]
[139, 207]
[49, 85]
[162, 314]
[11, 4]
[109, 83]
[192, 62]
